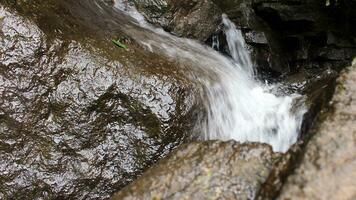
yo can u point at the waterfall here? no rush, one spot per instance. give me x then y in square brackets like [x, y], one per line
[236, 105]
[237, 45]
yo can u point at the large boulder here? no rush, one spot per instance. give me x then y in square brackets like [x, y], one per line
[328, 167]
[196, 19]
[79, 117]
[317, 90]
[205, 170]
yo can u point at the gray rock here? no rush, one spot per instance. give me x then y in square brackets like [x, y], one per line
[334, 54]
[328, 168]
[291, 12]
[263, 42]
[205, 170]
[196, 19]
[348, 42]
[255, 37]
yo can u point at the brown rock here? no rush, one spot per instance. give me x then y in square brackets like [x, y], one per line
[205, 170]
[79, 117]
[328, 168]
[196, 19]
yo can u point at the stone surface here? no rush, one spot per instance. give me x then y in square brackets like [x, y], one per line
[308, 31]
[205, 170]
[196, 19]
[328, 167]
[298, 34]
[261, 39]
[255, 37]
[79, 117]
[283, 36]
[317, 90]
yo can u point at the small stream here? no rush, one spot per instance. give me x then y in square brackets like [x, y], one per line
[81, 118]
[237, 106]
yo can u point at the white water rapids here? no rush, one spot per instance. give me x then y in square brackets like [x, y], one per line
[236, 105]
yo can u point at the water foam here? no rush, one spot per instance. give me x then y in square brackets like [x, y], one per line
[236, 105]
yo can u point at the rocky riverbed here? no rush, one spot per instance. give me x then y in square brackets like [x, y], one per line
[83, 119]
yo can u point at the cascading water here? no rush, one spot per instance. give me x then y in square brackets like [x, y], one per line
[237, 106]
[215, 43]
[237, 46]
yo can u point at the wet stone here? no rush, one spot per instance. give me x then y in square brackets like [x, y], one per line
[205, 170]
[255, 37]
[328, 167]
[75, 123]
[197, 19]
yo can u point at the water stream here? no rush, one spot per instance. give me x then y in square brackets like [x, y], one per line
[237, 106]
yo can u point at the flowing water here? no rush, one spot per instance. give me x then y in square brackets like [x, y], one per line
[80, 119]
[236, 105]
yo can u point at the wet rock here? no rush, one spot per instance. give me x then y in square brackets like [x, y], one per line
[327, 169]
[255, 37]
[334, 39]
[334, 54]
[80, 118]
[297, 33]
[205, 170]
[234, 9]
[307, 82]
[261, 39]
[285, 12]
[312, 31]
[317, 87]
[283, 36]
[196, 19]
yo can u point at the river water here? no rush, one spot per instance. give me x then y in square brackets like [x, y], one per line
[237, 106]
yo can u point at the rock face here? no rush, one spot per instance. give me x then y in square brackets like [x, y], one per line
[196, 19]
[205, 170]
[79, 117]
[328, 167]
[290, 36]
[260, 38]
[313, 32]
[284, 36]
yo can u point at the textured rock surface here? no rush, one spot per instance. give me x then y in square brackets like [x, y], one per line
[283, 36]
[328, 168]
[196, 19]
[291, 35]
[306, 31]
[205, 170]
[80, 118]
[317, 90]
